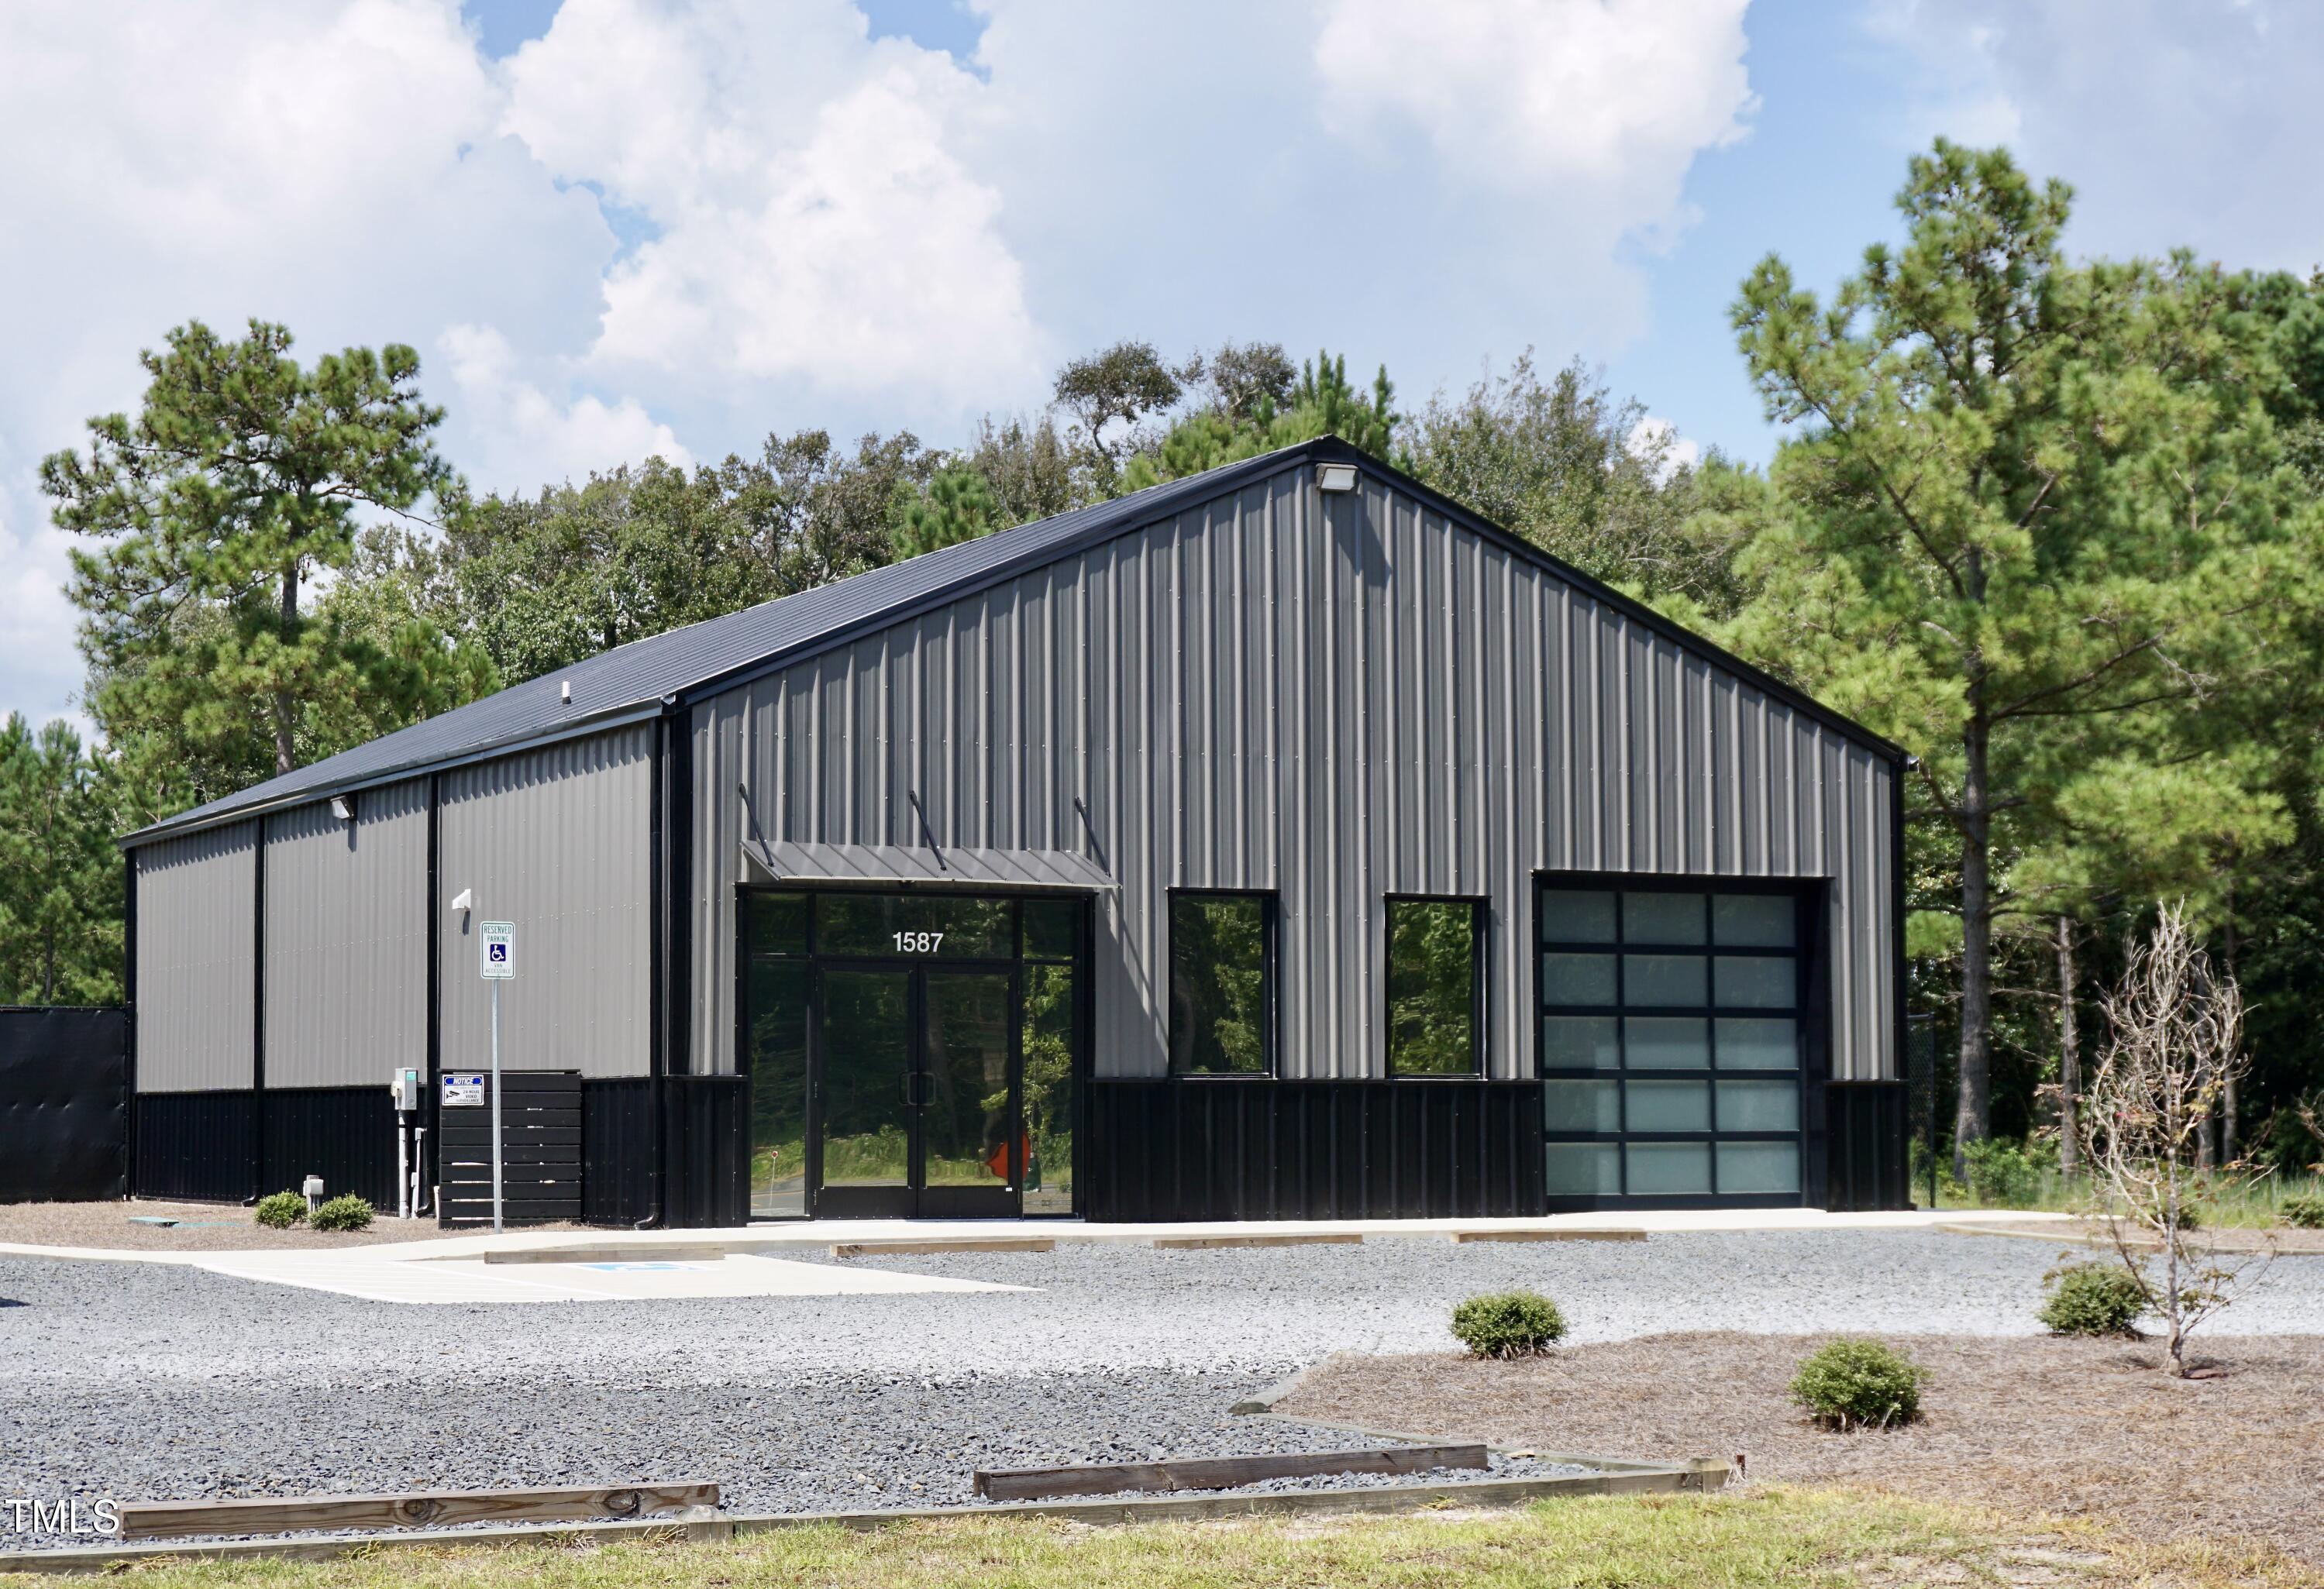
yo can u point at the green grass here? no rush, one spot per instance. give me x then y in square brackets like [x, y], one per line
[1824, 1539]
[2238, 1202]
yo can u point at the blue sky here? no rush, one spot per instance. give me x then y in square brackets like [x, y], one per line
[616, 227]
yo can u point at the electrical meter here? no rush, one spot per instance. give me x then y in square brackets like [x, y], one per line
[403, 1084]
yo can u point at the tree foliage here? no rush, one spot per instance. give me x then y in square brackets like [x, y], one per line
[1321, 402]
[60, 878]
[240, 479]
[1580, 474]
[538, 584]
[2033, 520]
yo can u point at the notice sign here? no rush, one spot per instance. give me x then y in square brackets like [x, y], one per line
[465, 1090]
[499, 950]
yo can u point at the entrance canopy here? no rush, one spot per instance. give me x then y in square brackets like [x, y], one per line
[792, 864]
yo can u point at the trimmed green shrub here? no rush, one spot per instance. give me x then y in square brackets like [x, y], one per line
[1509, 1324]
[2092, 1299]
[280, 1210]
[346, 1212]
[1855, 1383]
[2303, 1209]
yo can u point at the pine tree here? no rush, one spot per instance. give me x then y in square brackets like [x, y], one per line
[239, 482]
[60, 878]
[2033, 521]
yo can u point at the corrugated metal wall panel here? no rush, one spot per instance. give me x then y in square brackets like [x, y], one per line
[1334, 698]
[197, 939]
[556, 840]
[346, 939]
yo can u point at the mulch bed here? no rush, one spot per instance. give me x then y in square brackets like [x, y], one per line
[2070, 1427]
[208, 1227]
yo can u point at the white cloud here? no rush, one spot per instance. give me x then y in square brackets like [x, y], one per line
[1618, 97]
[528, 437]
[815, 222]
[823, 228]
[2178, 124]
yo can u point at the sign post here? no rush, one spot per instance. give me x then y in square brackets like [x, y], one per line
[496, 965]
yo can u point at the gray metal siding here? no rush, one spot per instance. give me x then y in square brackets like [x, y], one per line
[1334, 698]
[196, 917]
[346, 939]
[557, 841]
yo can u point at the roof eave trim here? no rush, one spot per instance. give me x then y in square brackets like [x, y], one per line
[403, 773]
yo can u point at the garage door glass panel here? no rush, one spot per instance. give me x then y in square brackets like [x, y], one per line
[1668, 1169]
[1662, 918]
[1580, 1043]
[1758, 1106]
[1582, 1105]
[1578, 978]
[1756, 982]
[1666, 1043]
[1583, 1169]
[1760, 1168]
[1667, 1105]
[1577, 916]
[1750, 1044]
[1753, 921]
[1665, 979]
[1702, 1045]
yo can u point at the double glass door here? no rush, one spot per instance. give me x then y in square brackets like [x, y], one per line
[910, 1055]
[919, 1104]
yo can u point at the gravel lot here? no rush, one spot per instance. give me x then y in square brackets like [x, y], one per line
[147, 1381]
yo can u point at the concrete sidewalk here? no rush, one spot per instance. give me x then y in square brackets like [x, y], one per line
[751, 1261]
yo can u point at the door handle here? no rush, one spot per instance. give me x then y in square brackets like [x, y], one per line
[911, 1089]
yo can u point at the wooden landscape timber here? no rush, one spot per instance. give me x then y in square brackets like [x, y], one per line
[1216, 1473]
[154, 1519]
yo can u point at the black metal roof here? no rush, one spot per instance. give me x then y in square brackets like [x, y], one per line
[647, 677]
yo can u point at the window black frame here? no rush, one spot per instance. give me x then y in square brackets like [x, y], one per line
[1270, 981]
[1481, 915]
[1810, 1010]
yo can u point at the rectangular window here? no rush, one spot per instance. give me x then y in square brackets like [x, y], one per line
[1672, 1034]
[1435, 986]
[1222, 984]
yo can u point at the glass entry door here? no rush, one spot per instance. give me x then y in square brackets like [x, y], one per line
[912, 1054]
[918, 1086]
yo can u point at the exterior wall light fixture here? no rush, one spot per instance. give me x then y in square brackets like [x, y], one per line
[1336, 477]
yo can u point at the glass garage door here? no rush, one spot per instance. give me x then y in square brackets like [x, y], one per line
[1671, 1041]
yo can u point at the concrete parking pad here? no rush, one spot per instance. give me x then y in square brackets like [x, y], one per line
[469, 1280]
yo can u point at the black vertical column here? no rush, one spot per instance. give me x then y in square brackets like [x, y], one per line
[434, 1024]
[258, 1013]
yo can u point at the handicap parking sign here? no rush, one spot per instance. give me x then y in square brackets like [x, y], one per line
[499, 961]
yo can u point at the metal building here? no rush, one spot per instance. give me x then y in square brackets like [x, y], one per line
[1281, 842]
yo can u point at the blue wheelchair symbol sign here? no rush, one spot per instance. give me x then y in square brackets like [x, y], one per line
[498, 948]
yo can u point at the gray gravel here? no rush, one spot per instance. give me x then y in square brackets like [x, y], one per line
[146, 1380]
